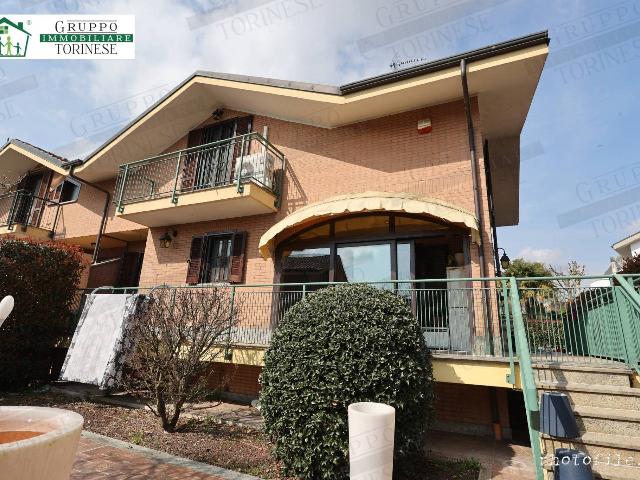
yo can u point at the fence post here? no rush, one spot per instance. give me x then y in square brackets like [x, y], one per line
[174, 196]
[122, 187]
[527, 378]
[228, 354]
[511, 376]
[304, 291]
[239, 186]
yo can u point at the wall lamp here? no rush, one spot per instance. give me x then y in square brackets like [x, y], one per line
[167, 239]
[505, 261]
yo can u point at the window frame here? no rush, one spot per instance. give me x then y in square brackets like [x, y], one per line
[61, 187]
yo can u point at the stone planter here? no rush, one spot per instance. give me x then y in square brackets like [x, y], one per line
[38, 443]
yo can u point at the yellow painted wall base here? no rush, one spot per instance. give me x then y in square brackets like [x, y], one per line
[468, 371]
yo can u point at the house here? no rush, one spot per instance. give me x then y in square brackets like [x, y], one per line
[256, 181]
[278, 187]
[14, 39]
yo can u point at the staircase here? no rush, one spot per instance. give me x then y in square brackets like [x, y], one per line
[607, 409]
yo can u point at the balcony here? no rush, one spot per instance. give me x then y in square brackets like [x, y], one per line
[235, 177]
[24, 214]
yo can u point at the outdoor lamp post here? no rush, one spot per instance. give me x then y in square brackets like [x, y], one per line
[505, 261]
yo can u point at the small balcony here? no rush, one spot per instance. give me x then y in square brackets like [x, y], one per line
[235, 177]
[23, 213]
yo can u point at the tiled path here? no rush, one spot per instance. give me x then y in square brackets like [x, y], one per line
[102, 458]
[501, 461]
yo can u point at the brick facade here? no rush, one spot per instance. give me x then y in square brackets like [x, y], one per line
[385, 154]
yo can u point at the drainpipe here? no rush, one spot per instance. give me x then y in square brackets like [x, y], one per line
[105, 211]
[476, 191]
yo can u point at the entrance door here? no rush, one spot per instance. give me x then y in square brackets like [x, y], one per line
[214, 164]
[25, 201]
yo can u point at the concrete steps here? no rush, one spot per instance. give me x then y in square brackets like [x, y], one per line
[607, 410]
[586, 374]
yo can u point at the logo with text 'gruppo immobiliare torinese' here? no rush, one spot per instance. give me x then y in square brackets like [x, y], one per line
[67, 37]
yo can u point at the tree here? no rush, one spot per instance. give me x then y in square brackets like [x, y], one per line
[569, 288]
[176, 335]
[631, 264]
[344, 344]
[43, 277]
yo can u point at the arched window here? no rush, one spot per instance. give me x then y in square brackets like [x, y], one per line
[372, 247]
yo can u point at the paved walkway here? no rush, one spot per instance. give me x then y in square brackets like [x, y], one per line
[103, 458]
[501, 461]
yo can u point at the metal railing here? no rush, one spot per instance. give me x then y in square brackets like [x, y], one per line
[234, 161]
[522, 320]
[27, 209]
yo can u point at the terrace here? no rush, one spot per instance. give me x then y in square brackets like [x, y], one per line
[234, 177]
[35, 216]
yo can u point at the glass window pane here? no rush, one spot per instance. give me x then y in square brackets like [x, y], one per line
[368, 224]
[306, 265]
[410, 224]
[404, 268]
[318, 232]
[364, 263]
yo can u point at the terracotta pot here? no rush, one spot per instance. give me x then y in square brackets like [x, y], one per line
[42, 442]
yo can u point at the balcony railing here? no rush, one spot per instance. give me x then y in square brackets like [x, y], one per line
[230, 162]
[24, 208]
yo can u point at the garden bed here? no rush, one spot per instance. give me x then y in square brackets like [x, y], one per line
[205, 440]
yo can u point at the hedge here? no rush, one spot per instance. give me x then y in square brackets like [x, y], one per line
[340, 345]
[43, 277]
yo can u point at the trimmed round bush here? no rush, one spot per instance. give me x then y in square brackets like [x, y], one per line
[344, 344]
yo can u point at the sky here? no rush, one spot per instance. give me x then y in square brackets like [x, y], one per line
[580, 171]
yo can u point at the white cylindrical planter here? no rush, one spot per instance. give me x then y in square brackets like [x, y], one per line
[371, 433]
[40, 443]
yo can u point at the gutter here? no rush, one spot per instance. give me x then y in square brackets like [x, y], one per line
[105, 211]
[540, 38]
[477, 198]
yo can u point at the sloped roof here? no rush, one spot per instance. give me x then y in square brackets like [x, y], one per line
[41, 153]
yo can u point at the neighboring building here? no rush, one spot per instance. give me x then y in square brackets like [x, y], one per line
[256, 181]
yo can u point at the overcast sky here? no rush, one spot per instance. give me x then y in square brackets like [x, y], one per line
[580, 175]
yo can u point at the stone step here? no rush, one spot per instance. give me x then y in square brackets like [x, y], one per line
[603, 449]
[613, 421]
[607, 471]
[589, 374]
[605, 396]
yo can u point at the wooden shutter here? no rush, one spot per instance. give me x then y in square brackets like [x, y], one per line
[195, 260]
[190, 162]
[238, 247]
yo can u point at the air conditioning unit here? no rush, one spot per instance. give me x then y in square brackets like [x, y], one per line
[257, 166]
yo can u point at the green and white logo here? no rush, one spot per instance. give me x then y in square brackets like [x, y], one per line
[14, 39]
[71, 37]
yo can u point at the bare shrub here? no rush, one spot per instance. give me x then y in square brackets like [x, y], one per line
[176, 336]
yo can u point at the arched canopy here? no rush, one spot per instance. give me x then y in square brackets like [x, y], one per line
[366, 202]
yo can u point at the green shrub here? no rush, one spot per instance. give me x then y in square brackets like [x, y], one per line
[43, 278]
[344, 344]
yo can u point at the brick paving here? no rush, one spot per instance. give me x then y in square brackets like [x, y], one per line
[101, 458]
[501, 461]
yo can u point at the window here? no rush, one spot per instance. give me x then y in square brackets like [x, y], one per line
[4, 30]
[67, 191]
[217, 257]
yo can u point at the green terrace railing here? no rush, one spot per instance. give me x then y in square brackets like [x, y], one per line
[520, 320]
[233, 161]
[22, 207]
